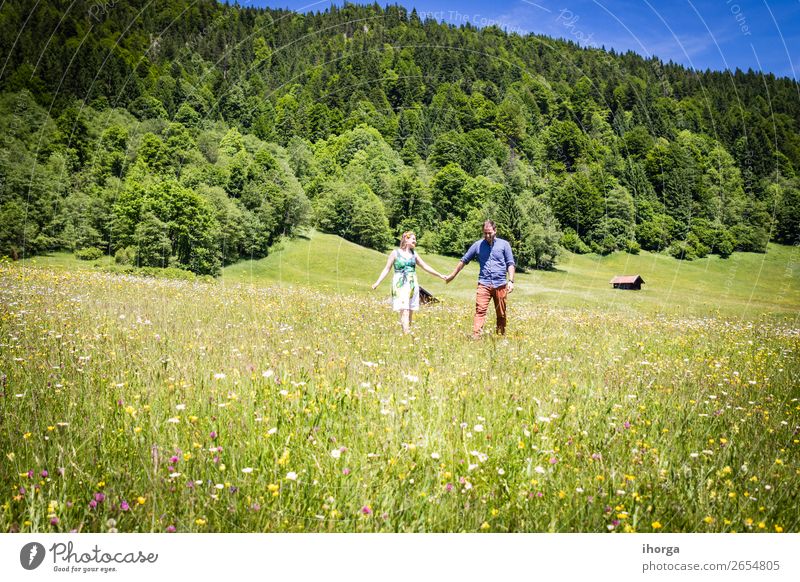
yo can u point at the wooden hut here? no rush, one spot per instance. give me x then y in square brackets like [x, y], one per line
[627, 282]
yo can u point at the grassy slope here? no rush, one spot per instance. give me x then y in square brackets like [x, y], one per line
[681, 405]
[745, 285]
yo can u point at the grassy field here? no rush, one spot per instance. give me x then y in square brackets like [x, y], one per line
[283, 398]
[745, 285]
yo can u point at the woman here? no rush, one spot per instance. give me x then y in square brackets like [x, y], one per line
[405, 290]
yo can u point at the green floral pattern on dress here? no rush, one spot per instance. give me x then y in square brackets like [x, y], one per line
[405, 293]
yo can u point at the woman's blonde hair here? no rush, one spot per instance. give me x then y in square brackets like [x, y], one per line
[406, 235]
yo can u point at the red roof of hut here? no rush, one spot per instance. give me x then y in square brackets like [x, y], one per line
[627, 279]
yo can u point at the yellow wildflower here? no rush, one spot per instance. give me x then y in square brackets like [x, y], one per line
[284, 457]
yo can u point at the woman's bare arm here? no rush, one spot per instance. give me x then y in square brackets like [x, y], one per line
[428, 269]
[385, 271]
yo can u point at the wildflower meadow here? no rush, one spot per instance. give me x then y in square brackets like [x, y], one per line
[138, 404]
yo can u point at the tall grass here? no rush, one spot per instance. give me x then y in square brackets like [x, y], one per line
[745, 285]
[136, 404]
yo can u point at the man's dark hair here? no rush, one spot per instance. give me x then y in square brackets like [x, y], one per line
[491, 223]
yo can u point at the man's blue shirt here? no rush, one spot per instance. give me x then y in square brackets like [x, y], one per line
[494, 261]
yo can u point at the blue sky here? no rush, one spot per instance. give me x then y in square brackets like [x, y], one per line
[715, 34]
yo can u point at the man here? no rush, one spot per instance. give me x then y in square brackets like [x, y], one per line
[496, 277]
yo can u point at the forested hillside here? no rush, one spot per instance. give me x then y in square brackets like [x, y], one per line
[194, 134]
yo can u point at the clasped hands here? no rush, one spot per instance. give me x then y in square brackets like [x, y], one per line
[451, 276]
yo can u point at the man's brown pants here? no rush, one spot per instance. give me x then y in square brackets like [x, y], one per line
[482, 297]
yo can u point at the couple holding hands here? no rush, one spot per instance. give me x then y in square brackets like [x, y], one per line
[495, 279]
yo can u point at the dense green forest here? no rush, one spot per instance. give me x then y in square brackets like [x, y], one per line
[193, 134]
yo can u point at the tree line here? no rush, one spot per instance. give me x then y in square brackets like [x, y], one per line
[193, 134]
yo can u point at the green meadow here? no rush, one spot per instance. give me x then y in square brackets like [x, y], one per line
[282, 397]
[745, 285]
